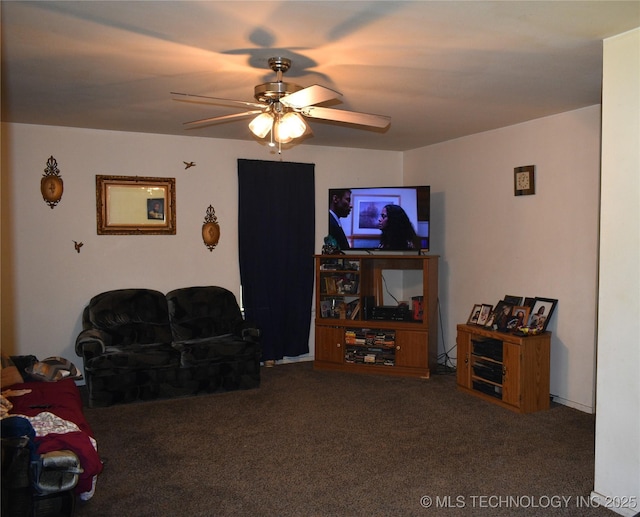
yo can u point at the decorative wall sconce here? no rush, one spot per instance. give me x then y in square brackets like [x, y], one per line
[51, 183]
[210, 229]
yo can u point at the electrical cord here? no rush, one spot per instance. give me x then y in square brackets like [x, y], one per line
[445, 364]
[384, 280]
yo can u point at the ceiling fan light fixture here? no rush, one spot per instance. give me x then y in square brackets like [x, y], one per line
[280, 134]
[288, 127]
[294, 124]
[261, 125]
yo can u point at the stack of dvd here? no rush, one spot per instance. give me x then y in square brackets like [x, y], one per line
[370, 346]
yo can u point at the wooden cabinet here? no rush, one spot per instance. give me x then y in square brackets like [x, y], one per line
[509, 370]
[410, 349]
[354, 329]
[333, 349]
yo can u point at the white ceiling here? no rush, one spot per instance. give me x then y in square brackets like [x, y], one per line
[441, 70]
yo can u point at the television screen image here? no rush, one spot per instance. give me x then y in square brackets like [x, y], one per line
[380, 218]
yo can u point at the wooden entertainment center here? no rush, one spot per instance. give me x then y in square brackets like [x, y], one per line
[355, 332]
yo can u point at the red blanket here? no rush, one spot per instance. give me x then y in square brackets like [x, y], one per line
[63, 399]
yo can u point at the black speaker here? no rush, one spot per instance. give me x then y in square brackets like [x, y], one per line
[369, 303]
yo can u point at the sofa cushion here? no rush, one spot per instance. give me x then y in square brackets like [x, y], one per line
[202, 312]
[135, 357]
[130, 316]
[216, 349]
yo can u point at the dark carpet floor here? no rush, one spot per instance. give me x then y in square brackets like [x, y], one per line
[312, 443]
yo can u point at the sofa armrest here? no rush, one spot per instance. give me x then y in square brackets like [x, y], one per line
[91, 343]
[251, 334]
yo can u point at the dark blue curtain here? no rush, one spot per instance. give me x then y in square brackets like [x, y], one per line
[276, 225]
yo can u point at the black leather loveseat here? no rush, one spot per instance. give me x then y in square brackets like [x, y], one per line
[139, 344]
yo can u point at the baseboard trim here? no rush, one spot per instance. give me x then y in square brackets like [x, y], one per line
[574, 405]
[299, 359]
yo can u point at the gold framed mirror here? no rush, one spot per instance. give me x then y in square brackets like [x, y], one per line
[135, 205]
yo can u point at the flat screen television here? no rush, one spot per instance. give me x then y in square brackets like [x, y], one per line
[380, 218]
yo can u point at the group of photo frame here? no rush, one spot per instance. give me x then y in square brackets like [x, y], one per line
[514, 314]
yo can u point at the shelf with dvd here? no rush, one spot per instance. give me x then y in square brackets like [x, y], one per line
[370, 346]
[338, 285]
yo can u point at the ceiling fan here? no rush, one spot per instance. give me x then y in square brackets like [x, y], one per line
[281, 107]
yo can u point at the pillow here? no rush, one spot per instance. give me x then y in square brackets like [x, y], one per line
[53, 369]
[10, 374]
[5, 406]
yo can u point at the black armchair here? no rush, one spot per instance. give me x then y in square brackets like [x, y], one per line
[209, 331]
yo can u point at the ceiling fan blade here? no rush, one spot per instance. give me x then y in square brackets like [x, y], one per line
[189, 97]
[214, 120]
[308, 96]
[350, 117]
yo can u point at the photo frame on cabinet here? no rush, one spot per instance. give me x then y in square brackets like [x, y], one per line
[519, 317]
[502, 315]
[475, 314]
[513, 300]
[491, 319]
[485, 313]
[134, 205]
[541, 313]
